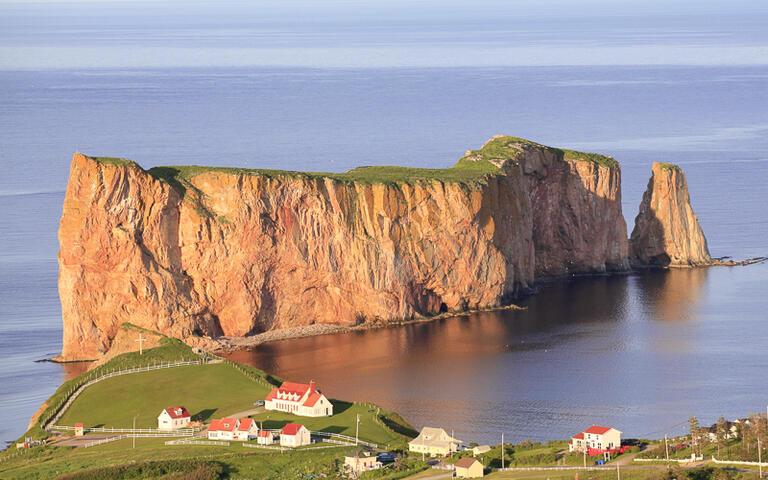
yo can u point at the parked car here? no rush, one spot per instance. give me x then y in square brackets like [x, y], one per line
[386, 457]
[259, 403]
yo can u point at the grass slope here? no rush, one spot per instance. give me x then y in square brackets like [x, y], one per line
[474, 167]
[208, 391]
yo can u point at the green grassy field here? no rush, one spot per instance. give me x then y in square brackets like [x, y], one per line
[472, 168]
[240, 461]
[208, 391]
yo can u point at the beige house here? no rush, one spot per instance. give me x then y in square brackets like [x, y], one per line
[469, 468]
[293, 435]
[596, 438]
[265, 437]
[480, 449]
[173, 418]
[361, 463]
[433, 442]
[299, 399]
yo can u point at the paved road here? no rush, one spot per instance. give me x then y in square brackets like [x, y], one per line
[245, 413]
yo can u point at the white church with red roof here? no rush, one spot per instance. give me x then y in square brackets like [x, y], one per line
[596, 440]
[299, 399]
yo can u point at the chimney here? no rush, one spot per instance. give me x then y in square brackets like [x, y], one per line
[311, 386]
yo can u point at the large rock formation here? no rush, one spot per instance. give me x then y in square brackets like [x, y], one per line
[195, 251]
[667, 232]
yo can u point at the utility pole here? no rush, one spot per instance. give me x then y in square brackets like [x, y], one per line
[141, 344]
[357, 427]
[618, 473]
[666, 448]
[759, 459]
[584, 450]
[502, 451]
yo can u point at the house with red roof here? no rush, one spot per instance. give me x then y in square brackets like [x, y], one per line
[173, 418]
[265, 437]
[245, 430]
[294, 435]
[596, 440]
[299, 399]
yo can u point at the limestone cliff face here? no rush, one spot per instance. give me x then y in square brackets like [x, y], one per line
[232, 252]
[667, 232]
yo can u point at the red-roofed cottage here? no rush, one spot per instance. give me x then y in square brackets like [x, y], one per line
[299, 399]
[245, 430]
[173, 418]
[294, 435]
[596, 440]
[265, 437]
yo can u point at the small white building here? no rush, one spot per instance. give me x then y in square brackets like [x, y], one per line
[245, 430]
[265, 437]
[173, 418]
[598, 439]
[361, 463]
[434, 441]
[222, 429]
[480, 449]
[294, 435]
[299, 399]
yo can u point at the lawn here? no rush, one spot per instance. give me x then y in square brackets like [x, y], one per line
[208, 391]
[240, 462]
[342, 421]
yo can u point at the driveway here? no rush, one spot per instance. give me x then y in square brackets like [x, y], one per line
[246, 413]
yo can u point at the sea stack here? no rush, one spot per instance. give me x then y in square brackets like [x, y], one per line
[667, 232]
[196, 252]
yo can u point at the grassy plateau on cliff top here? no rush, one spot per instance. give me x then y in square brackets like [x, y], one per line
[474, 167]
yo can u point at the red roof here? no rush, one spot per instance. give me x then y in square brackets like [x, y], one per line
[264, 433]
[312, 399]
[578, 436]
[245, 424]
[298, 389]
[466, 462]
[223, 425]
[597, 430]
[177, 412]
[291, 429]
[78, 424]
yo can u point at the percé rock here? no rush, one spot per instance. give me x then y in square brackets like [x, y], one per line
[667, 232]
[209, 251]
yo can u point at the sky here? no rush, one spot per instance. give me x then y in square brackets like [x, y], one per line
[57, 34]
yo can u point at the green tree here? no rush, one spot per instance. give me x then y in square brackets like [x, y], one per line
[721, 433]
[693, 422]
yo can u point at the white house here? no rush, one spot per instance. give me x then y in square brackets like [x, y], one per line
[294, 435]
[299, 399]
[361, 463]
[265, 437]
[434, 441]
[173, 418]
[223, 429]
[596, 438]
[245, 430]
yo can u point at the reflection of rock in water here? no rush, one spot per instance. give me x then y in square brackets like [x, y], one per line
[674, 294]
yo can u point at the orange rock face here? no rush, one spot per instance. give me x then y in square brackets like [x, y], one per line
[237, 253]
[667, 232]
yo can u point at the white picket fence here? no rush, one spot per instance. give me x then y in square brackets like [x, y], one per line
[104, 440]
[677, 460]
[197, 442]
[75, 393]
[559, 467]
[182, 432]
[344, 437]
[740, 462]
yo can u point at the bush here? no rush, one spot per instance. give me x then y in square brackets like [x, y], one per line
[169, 469]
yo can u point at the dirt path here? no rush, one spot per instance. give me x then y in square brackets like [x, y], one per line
[246, 413]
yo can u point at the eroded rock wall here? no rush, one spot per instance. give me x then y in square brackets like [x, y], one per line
[233, 254]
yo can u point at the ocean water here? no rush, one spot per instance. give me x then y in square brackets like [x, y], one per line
[641, 352]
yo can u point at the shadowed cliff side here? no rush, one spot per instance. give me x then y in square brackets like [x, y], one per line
[197, 252]
[667, 232]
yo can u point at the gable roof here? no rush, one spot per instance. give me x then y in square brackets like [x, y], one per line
[245, 424]
[176, 412]
[466, 462]
[222, 425]
[434, 436]
[597, 430]
[312, 399]
[291, 429]
[578, 436]
[264, 433]
[297, 391]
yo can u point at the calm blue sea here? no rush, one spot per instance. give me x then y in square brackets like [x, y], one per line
[330, 97]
